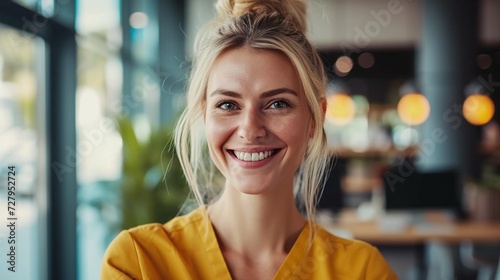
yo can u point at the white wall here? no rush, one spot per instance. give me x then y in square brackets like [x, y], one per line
[364, 23]
[199, 12]
[337, 23]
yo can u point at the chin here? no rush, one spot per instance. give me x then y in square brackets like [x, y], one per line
[250, 188]
[252, 191]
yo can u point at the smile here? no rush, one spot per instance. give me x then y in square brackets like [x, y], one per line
[253, 156]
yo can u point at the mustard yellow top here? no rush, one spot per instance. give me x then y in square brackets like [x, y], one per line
[187, 248]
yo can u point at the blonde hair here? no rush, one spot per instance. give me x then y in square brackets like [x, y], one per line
[273, 25]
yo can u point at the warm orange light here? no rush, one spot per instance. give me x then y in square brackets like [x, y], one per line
[340, 109]
[478, 109]
[414, 109]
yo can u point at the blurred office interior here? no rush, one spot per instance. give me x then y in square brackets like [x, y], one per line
[90, 91]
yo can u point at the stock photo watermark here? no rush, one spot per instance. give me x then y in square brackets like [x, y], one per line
[454, 117]
[34, 25]
[371, 29]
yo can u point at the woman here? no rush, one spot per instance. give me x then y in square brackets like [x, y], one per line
[258, 89]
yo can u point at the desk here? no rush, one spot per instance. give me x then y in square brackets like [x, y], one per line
[445, 230]
[438, 228]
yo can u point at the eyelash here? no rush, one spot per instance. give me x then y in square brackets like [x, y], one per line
[285, 104]
[282, 101]
[225, 102]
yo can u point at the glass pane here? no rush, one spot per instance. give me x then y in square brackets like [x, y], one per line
[44, 7]
[23, 153]
[95, 16]
[32, 4]
[99, 145]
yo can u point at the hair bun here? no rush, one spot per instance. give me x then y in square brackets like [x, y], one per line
[294, 10]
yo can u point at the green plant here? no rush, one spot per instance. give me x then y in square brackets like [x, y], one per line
[490, 177]
[153, 186]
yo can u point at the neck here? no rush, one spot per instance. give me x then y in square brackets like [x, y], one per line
[256, 225]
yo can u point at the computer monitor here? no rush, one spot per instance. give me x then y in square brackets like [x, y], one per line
[422, 190]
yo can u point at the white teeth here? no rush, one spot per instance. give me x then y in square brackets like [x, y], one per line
[252, 156]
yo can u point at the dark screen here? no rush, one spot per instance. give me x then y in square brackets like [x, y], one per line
[429, 190]
[332, 197]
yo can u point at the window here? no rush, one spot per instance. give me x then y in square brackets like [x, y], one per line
[22, 134]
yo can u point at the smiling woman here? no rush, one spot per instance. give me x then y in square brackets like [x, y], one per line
[249, 116]
[258, 89]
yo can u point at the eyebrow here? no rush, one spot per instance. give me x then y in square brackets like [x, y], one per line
[265, 94]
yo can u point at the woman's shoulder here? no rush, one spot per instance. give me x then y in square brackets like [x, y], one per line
[332, 241]
[176, 225]
[151, 248]
[168, 235]
[362, 259]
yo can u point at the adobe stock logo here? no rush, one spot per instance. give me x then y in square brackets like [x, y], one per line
[453, 120]
[32, 26]
[380, 19]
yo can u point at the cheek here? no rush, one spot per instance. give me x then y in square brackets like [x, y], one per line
[216, 135]
[216, 131]
[213, 146]
[296, 133]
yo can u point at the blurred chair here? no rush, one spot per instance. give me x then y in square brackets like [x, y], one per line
[485, 258]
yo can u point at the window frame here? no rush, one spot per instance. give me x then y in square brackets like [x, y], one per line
[57, 203]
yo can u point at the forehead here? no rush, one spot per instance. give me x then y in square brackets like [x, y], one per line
[252, 70]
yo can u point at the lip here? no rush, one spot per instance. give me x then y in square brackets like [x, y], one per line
[254, 150]
[253, 164]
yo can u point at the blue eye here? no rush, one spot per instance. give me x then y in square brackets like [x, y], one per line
[226, 106]
[279, 104]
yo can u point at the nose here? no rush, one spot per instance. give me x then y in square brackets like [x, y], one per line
[251, 126]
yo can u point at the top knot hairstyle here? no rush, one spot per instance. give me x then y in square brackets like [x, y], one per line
[277, 25]
[294, 10]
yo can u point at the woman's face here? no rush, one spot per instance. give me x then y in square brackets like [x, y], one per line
[257, 119]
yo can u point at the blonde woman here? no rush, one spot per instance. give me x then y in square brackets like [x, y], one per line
[256, 100]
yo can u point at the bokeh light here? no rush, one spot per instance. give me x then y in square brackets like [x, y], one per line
[138, 20]
[343, 65]
[341, 109]
[413, 109]
[478, 109]
[484, 61]
[366, 60]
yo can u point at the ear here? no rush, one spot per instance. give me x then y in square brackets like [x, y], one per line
[323, 113]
